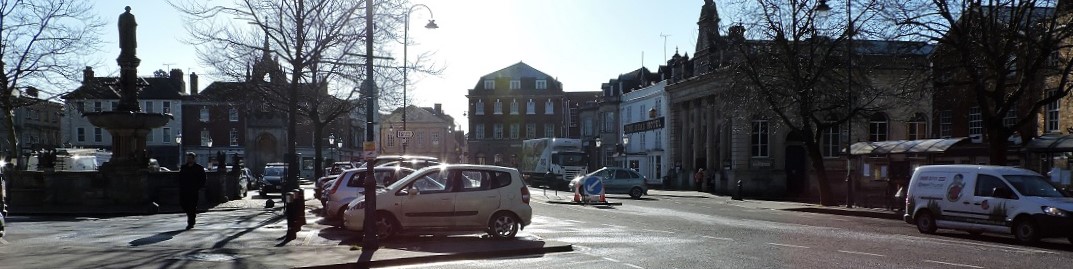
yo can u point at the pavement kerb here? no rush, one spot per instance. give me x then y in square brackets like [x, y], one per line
[448, 257]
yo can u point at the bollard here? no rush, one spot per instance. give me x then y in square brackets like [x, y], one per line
[737, 191]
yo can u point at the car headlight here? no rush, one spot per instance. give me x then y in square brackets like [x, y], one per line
[358, 205]
[1054, 211]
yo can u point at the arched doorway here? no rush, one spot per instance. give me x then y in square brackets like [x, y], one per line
[796, 166]
[265, 150]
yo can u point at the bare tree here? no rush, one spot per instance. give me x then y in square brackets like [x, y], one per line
[1012, 56]
[318, 43]
[815, 81]
[42, 42]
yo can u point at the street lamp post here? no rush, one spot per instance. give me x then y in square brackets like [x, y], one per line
[625, 146]
[823, 8]
[599, 153]
[405, 63]
[179, 144]
[331, 143]
[208, 150]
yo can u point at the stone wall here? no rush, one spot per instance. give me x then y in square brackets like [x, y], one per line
[36, 189]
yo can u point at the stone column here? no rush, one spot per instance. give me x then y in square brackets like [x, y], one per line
[712, 147]
[698, 137]
[686, 152]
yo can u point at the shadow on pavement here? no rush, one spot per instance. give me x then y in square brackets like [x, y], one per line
[448, 248]
[679, 196]
[273, 219]
[891, 215]
[156, 238]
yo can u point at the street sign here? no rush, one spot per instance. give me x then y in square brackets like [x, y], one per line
[592, 186]
[404, 134]
[368, 150]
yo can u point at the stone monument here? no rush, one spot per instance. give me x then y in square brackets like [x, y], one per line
[127, 124]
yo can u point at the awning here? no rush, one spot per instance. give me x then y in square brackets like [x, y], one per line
[904, 146]
[1051, 143]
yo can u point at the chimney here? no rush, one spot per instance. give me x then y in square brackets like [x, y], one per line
[439, 109]
[31, 92]
[176, 74]
[87, 75]
[193, 83]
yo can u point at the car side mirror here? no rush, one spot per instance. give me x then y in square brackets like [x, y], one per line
[412, 191]
[1001, 192]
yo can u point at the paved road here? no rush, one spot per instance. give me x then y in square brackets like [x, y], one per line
[687, 230]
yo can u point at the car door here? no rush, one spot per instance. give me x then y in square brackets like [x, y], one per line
[957, 201]
[620, 182]
[477, 198]
[990, 210]
[429, 200]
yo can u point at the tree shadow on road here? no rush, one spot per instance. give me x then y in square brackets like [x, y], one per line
[156, 238]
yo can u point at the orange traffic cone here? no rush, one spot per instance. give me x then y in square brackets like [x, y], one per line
[577, 197]
[602, 199]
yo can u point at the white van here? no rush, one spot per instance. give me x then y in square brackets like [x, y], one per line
[993, 199]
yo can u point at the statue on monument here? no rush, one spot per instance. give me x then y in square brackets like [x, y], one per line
[128, 40]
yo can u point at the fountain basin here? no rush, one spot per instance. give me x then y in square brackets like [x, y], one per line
[114, 120]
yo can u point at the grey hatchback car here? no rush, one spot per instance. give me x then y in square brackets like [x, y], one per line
[617, 180]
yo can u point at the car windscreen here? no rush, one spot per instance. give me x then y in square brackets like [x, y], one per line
[274, 171]
[1032, 185]
[570, 159]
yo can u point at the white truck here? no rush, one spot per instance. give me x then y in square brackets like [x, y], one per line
[552, 162]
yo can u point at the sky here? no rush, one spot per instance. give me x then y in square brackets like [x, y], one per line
[582, 43]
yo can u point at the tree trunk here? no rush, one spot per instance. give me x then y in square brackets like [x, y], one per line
[818, 167]
[996, 145]
[318, 144]
[12, 138]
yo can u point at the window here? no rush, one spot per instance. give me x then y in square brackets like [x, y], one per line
[81, 106]
[549, 108]
[1011, 117]
[97, 106]
[497, 131]
[98, 135]
[479, 107]
[478, 131]
[234, 137]
[489, 84]
[587, 127]
[877, 127]
[945, 124]
[150, 136]
[204, 114]
[549, 130]
[390, 140]
[1052, 114]
[166, 137]
[976, 121]
[759, 138]
[514, 107]
[149, 107]
[205, 137]
[515, 84]
[81, 134]
[658, 106]
[659, 141]
[115, 106]
[986, 184]
[917, 127]
[431, 183]
[831, 141]
[514, 131]
[628, 114]
[609, 121]
[541, 84]
[232, 114]
[530, 107]
[166, 108]
[530, 130]
[498, 108]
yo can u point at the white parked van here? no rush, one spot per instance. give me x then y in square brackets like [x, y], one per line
[993, 199]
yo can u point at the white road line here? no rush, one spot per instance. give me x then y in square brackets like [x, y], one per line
[785, 245]
[953, 242]
[718, 238]
[634, 266]
[610, 259]
[616, 226]
[658, 231]
[861, 253]
[954, 264]
[3, 242]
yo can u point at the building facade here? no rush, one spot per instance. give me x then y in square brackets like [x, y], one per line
[644, 118]
[510, 105]
[434, 134]
[37, 125]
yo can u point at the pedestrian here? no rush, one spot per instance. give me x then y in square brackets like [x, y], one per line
[697, 178]
[191, 180]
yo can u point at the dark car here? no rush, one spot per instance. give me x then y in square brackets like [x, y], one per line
[272, 178]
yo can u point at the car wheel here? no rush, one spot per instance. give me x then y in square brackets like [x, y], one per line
[1025, 230]
[503, 226]
[925, 222]
[636, 193]
[386, 226]
[339, 214]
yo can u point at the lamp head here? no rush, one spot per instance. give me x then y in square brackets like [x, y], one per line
[822, 9]
[431, 25]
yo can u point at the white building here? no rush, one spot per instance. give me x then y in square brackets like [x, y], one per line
[643, 120]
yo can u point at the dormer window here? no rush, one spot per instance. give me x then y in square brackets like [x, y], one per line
[479, 107]
[498, 108]
[204, 114]
[515, 84]
[530, 107]
[489, 84]
[514, 107]
[541, 84]
[549, 108]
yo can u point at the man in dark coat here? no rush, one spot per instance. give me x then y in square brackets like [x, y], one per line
[191, 180]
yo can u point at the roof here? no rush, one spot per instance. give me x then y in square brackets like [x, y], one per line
[904, 146]
[107, 88]
[996, 168]
[518, 70]
[1051, 143]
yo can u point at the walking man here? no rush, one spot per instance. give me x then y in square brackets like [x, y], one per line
[698, 179]
[191, 180]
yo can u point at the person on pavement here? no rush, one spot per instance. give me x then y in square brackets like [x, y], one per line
[191, 180]
[697, 178]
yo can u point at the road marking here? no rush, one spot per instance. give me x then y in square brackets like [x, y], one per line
[616, 226]
[861, 253]
[785, 245]
[610, 259]
[954, 264]
[3, 242]
[634, 266]
[718, 238]
[953, 242]
[658, 231]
